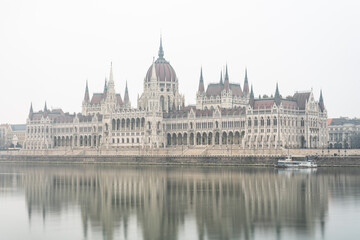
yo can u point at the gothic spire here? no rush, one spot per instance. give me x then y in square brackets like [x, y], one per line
[221, 80]
[226, 73]
[111, 77]
[31, 110]
[246, 84]
[226, 82]
[161, 50]
[321, 102]
[201, 82]
[277, 93]
[45, 107]
[252, 98]
[105, 85]
[321, 96]
[86, 97]
[252, 92]
[126, 95]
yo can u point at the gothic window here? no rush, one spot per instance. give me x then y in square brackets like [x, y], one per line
[268, 121]
[162, 102]
[275, 121]
[262, 122]
[255, 122]
[113, 124]
[169, 105]
[249, 122]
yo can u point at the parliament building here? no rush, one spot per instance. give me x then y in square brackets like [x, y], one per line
[225, 113]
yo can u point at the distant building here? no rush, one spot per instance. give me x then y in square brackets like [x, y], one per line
[4, 128]
[225, 114]
[342, 131]
[12, 135]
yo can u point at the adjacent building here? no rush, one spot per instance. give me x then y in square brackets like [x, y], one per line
[343, 132]
[225, 113]
[12, 135]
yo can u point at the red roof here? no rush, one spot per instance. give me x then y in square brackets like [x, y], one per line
[96, 98]
[289, 104]
[164, 71]
[214, 89]
[264, 103]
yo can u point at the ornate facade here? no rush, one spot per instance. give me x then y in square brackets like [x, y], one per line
[224, 114]
[344, 133]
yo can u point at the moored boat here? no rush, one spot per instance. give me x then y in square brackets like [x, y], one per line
[289, 163]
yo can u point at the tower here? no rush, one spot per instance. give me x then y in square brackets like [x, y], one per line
[110, 96]
[246, 85]
[201, 92]
[126, 98]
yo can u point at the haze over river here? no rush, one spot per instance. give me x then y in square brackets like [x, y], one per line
[155, 202]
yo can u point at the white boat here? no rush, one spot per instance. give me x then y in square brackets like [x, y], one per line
[289, 163]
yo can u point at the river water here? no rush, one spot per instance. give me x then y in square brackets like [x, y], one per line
[154, 202]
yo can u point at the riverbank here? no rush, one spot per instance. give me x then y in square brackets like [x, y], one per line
[244, 160]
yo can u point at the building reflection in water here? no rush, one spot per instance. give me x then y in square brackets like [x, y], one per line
[226, 203]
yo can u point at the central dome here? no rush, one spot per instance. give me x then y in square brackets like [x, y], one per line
[164, 71]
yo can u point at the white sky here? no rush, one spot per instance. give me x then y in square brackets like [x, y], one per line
[49, 48]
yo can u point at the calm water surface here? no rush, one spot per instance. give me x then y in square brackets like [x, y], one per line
[123, 202]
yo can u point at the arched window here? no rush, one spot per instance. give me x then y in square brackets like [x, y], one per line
[162, 103]
[113, 125]
[275, 121]
[262, 121]
[249, 122]
[118, 124]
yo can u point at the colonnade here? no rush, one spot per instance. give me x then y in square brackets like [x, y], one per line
[205, 138]
[77, 141]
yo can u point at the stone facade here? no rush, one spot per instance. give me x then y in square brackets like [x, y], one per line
[225, 114]
[341, 131]
[12, 135]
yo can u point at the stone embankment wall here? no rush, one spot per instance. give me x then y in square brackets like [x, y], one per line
[254, 160]
[212, 151]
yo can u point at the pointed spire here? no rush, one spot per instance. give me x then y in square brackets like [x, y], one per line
[201, 82]
[86, 97]
[226, 82]
[161, 50]
[226, 73]
[321, 96]
[246, 84]
[31, 110]
[111, 77]
[221, 78]
[105, 85]
[126, 95]
[277, 95]
[252, 92]
[321, 102]
[45, 107]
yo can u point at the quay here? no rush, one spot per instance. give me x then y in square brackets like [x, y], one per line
[189, 156]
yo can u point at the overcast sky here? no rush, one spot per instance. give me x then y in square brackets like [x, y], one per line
[49, 48]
